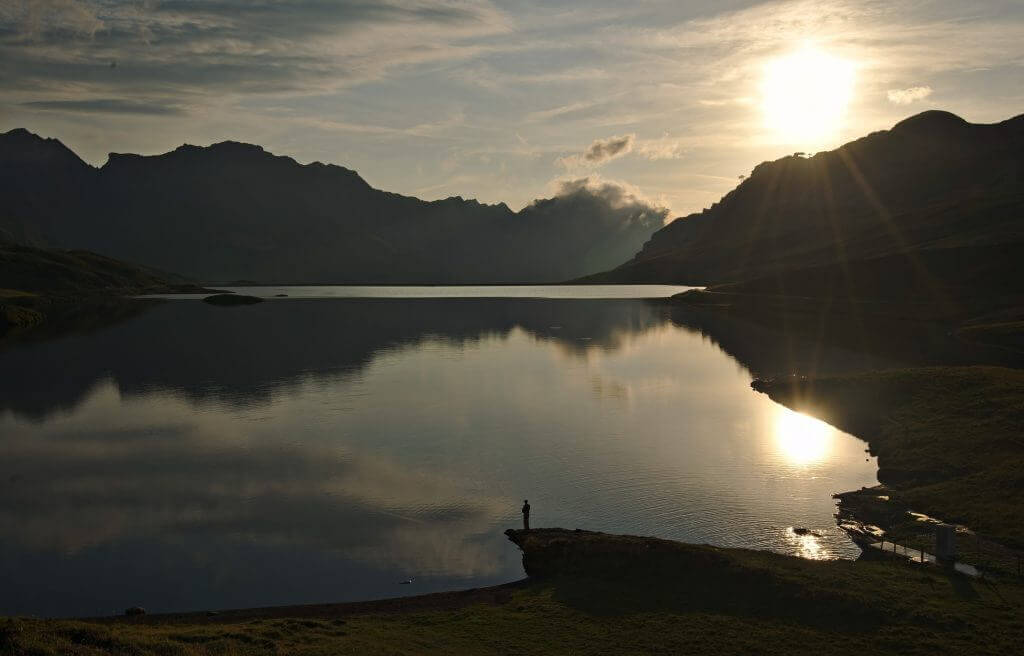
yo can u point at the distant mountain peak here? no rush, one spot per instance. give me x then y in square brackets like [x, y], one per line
[19, 132]
[235, 147]
[24, 145]
[221, 148]
[932, 121]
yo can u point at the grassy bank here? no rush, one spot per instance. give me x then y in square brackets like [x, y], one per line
[46, 292]
[949, 440]
[659, 597]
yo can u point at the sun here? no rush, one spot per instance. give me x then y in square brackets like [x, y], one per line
[804, 96]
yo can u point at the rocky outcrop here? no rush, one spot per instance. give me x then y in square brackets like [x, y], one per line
[13, 317]
[228, 300]
[549, 552]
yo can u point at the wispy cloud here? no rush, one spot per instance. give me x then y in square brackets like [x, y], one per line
[561, 110]
[174, 47]
[907, 96]
[664, 148]
[106, 106]
[600, 151]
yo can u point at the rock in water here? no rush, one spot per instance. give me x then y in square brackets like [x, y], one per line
[232, 299]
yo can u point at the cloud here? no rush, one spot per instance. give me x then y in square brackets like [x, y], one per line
[600, 151]
[615, 194]
[907, 96]
[574, 108]
[663, 148]
[62, 49]
[68, 16]
[603, 150]
[106, 106]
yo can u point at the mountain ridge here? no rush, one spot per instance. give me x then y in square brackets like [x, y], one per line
[931, 178]
[236, 211]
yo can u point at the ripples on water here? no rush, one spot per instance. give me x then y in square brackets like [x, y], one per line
[324, 450]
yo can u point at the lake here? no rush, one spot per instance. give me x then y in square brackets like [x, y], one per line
[330, 445]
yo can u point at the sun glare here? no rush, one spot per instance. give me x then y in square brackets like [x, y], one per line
[803, 440]
[804, 96]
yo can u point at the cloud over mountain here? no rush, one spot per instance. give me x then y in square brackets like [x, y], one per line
[612, 202]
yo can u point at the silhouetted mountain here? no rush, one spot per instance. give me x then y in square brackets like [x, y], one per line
[41, 182]
[934, 181]
[234, 211]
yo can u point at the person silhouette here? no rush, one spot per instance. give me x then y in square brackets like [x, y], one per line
[526, 515]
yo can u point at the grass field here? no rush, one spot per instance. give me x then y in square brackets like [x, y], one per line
[687, 599]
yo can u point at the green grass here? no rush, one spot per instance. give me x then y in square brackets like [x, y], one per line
[949, 440]
[711, 601]
[14, 293]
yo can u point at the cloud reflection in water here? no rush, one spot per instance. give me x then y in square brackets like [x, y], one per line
[321, 451]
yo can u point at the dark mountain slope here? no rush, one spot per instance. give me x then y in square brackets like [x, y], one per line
[932, 181]
[233, 211]
[41, 182]
[51, 291]
[51, 271]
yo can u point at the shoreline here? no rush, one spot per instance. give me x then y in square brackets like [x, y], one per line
[594, 592]
[449, 600]
[946, 439]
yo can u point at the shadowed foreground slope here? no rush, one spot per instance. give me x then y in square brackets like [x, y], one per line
[594, 593]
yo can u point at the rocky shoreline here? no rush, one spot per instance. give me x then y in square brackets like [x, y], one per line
[945, 438]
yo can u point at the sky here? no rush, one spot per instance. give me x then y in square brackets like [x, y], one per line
[505, 101]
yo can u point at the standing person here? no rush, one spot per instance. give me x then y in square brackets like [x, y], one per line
[526, 515]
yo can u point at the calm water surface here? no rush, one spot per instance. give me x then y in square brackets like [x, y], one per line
[312, 450]
[460, 291]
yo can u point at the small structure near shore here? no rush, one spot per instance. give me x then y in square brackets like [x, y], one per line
[945, 543]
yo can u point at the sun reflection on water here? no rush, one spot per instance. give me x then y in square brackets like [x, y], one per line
[807, 544]
[803, 440]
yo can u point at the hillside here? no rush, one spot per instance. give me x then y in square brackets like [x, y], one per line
[59, 290]
[234, 211]
[933, 181]
[52, 271]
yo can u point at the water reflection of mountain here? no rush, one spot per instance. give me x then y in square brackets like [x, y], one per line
[833, 342]
[243, 355]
